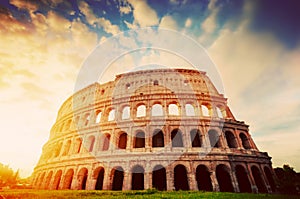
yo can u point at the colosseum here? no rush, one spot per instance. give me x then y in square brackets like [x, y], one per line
[168, 129]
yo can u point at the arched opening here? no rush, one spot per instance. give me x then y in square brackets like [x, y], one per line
[68, 124]
[106, 142]
[57, 149]
[231, 141]
[111, 115]
[68, 179]
[122, 141]
[203, 178]
[219, 112]
[118, 177]
[137, 181]
[214, 138]
[57, 179]
[176, 137]
[245, 141]
[242, 178]
[67, 147]
[126, 113]
[195, 138]
[157, 110]
[158, 138]
[190, 110]
[86, 119]
[141, 111]
[173, 109]
[99, 176]
[48, 179]
[98, 116]
[91, 142]
[139, 141]
[180, 178]
[258, 180]
[42, 180]
[159, 179]
[205, 110]
[224, 179]
[82, 178]
[155, 83]
[270, 178]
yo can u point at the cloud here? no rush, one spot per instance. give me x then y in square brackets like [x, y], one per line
[168, 22]
[143, 14]
[93, 19]
[261, 83]
[125, 9]
[27, 5]
[188, 23]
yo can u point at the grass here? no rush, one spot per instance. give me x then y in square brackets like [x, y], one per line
[44, 194]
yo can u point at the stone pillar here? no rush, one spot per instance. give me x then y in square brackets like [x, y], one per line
[127, 181]
[192, 181]
[170, 179]
[90, 182]
[234, 180]
[148, 180]
[238, 140]
[214, 181]
[251, 179]
[107, 180]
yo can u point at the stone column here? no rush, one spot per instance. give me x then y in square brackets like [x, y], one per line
[170, 179]
[251, 179]
[234, 180]
[214, 181]
[107, 180]
[148, 180]
[127, 181]
[192, 181]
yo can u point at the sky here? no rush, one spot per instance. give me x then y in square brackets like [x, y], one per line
[255, 46]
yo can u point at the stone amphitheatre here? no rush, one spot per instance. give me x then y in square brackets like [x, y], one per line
[168, 129]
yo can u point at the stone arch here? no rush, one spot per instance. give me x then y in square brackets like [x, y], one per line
[57, 149]
[141, 111]
[57, 179]
[173, 109]
[139, 140]
[270, 178]
[68, 125]
[41, 180]
[68, 179]
[176, 138]
[126, 113]
[157, 110]
[159, 178]
[158, 138]
[190, 110]
[224, 179]
[214, 138]
[98, 116]
[86, 118]
[180, 178]
[245, 141]
[230, 138]
[99, 177]
[242, 178]
[118, 177]
[219, 112]
[137, 178]
[205, 110]
[48, 180]
[105, 140]
[82, 178]
[203, 178]
[78, 144]
[122, 140]
[91, 143]
[195, 135]
[111, 115]
[67, 147]
[258, 179]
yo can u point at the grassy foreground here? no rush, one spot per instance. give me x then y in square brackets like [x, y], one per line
[41, 194]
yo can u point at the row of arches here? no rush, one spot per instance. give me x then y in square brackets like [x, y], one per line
[156, 110]
[159, 179]
[158, 139]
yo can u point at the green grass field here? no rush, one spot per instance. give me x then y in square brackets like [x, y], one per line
[41, 194]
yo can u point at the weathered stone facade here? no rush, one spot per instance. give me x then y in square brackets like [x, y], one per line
[168, 129]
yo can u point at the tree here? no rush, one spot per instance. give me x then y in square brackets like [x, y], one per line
[289, 180]
[7, 176]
